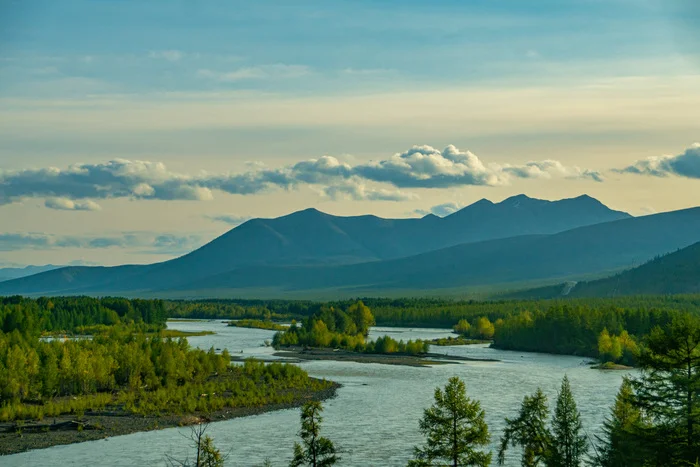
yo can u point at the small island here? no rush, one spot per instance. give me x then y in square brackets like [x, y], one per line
[333, 333]
[258, 324]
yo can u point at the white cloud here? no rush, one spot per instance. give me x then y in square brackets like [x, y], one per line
[139, 242]
[356, 190]
[419, 167]
[441, 210]
[65, 204]
[682, 165]
[276, 71]
[230, 219]
[169, 55]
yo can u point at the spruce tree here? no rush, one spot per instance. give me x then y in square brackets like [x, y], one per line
[619, 444]
[316, 451]
[455, 428]
[568, 443]
[668, 392]
[529, 431]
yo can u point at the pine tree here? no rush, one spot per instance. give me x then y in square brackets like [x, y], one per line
[317, 451]
[210, 456]
[529, 431]
[454, 428]
[568, 444]
[619, 444]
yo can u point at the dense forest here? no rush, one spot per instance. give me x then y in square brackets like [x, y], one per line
[122, 366]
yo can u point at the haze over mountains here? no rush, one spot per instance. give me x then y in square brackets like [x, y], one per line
[671, 274]
[518, 240]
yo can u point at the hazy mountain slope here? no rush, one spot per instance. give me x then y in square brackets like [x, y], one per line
[311, 237]
[581, 251]
[675, 273]
[7, 274]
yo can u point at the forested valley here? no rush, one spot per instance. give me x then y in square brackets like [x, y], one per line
[71, 360]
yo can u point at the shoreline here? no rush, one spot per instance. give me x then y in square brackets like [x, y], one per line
[64, 429]
[423, 360]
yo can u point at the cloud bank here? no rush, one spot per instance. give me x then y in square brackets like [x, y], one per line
[440, 210]
[423, 167]
[141, 242]
[682, 165]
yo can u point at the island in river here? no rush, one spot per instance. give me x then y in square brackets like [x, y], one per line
[340, 355]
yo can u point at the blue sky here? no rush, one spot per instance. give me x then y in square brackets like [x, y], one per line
[215, 103]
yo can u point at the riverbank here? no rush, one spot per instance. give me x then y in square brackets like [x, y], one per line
[611, 366]
[67, 429]
[422, 360]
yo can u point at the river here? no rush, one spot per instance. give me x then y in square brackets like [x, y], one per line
[373, 419]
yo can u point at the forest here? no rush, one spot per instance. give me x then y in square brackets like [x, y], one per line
[122, 367]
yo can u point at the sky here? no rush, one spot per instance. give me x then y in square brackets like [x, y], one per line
[135, 131]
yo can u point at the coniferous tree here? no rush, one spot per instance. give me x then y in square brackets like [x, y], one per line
[620, 444]
[316, 451]
[455, 429]
[568, 444]
[668, 392]
[529, 431]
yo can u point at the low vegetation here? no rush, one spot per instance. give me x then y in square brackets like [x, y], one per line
[257, 324]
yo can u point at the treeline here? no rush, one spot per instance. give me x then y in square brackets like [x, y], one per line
[577, 330]
[67, 314]
[133, 372]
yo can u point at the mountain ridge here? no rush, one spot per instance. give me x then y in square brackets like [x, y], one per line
[311, 238]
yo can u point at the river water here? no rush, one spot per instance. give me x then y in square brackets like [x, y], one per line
[373, 419]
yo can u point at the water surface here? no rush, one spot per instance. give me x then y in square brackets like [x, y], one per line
[373, 419]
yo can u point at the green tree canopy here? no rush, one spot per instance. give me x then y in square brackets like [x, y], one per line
[529, 431]
[455, 428]
[568, 443]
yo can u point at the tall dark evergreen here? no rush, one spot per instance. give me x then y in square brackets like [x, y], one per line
[316, 450]
[529, 431]
[568, 442]
[668, 392]
[620, 443]
[455, 430]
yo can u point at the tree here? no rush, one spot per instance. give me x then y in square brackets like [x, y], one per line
[316, 451]
[206, 453]
[568, 444]
[455, 428]
[462, 327]
[484, 328]
[529, 431]
[668, 391]
[619, 444]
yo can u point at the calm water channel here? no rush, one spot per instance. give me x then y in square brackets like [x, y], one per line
[373, 419]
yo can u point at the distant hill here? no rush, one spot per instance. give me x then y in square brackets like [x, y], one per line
[7, 274]
[674, 273]
[315, 240]
[578, 252]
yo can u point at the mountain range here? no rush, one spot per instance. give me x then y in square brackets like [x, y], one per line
[518, 240]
